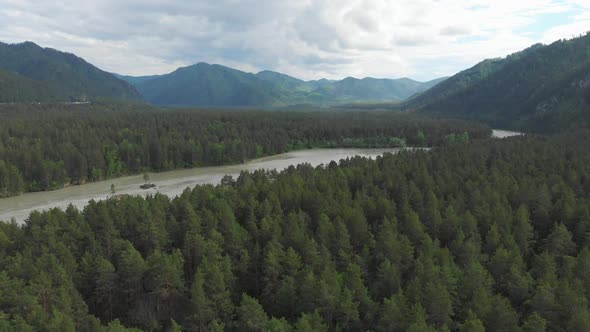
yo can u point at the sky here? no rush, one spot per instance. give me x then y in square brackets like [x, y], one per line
[308, 39]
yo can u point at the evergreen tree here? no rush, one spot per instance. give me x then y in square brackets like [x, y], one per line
[251, 315]
[311, 322]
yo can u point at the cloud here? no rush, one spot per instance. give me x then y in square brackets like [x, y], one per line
[304, 38]
[454, 30]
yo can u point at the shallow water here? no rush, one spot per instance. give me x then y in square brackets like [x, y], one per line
[498, 133]
[169, 183]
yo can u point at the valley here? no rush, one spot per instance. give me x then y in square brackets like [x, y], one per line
[218, 166]
[173, 183]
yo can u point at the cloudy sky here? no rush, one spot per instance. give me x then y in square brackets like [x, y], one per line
[310, 39]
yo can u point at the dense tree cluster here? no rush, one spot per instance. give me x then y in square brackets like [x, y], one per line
[481, 236]
[16, 88]
[44, 147]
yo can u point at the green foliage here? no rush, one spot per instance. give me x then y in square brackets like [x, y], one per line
[559, 242]
[353, 245]
[45, 147]
[312, 322]
[421, 138]
[472, 324]
[116, 326]
[17, 89]
[535, 323]
[251, 315]
[461, 139]
[278, 325]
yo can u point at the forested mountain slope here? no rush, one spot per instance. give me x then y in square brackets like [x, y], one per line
[208, 85]
[47, 75]
[490, 235]
[372, 89]
[69, 77]
[214, 85]
[543, 88]
[15, 88]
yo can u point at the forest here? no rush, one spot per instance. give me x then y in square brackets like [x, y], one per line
[45, 147]
[475, 235]
[544, 88]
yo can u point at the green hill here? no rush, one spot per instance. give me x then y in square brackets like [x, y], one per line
[214, 85]
[285, 81]
[367, 89]
[208, 85]
[543, 88]
[16, 88]
[46, 74]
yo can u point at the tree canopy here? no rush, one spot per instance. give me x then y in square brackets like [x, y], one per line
[485, 235]
[44, 147]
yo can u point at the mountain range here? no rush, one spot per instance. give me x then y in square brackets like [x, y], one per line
[30, 73]
[204, 84]
[542, 88]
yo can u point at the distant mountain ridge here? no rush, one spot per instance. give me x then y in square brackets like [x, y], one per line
[31, 73]
[542, 88]
[205, 84]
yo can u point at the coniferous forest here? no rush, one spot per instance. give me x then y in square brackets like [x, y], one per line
[478, 235]
[44, 147]
[445, 224]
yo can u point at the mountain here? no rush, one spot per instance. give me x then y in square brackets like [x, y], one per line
[214, 85]
[367, 89]
[57, 76]
[284, 81]
[543, 88]
[208, 85]
[17, 88]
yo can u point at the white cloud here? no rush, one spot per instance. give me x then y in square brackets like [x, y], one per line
[579, 25]
[305, 38]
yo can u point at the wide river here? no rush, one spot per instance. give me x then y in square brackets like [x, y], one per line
[170, 183]
[174, 182]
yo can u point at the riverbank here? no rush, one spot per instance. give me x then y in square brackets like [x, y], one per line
[498, 133]
[170, 183]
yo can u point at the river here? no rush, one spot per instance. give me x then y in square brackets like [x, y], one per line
[498, 133]
[169, 183]
[174, 182]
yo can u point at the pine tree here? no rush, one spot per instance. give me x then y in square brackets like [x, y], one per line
[201, 312]
[472, 324]
[105, 288]
[534, 323]
[311, 322]
[395, 315]
[523, 231]
[251, 315]
[559, 242]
